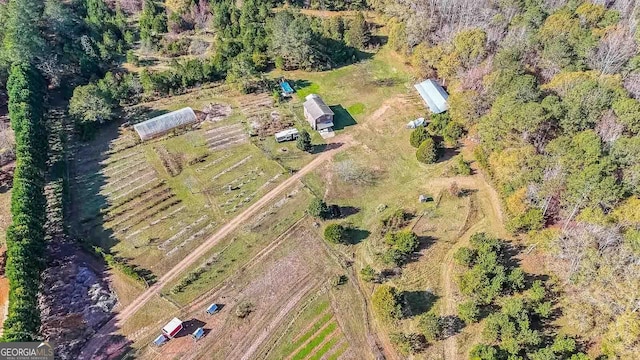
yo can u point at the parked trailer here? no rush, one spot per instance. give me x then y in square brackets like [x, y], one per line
[287, 135]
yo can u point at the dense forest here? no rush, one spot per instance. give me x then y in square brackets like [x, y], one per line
[549, 90]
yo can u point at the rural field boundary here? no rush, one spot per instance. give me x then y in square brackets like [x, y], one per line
[103, 335]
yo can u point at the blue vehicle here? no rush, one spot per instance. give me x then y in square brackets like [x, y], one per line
[212, 309]
[160, 340]
[198, 334]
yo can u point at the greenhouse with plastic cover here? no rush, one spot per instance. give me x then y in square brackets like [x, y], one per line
[163, 124]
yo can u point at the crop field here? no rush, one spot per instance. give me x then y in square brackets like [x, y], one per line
[152, 203]
[283, 285]
[314, 334]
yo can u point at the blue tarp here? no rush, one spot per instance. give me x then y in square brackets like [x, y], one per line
[212, 308]
[434, 95]
[286, 88]
[199, 333]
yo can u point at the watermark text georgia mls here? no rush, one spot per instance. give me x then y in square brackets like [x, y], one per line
[26, 351]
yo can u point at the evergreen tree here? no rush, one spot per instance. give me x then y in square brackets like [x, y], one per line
[304, 141]
[357, 35]
[23, 40]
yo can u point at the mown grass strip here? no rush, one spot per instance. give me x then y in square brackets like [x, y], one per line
[317, 326]
[317, 340]
[336, 354]
[323, 350]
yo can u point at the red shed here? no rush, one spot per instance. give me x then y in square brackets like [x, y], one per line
[172, 328]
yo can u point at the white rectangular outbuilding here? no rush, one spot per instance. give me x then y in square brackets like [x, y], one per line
[163, 124]
[434, 95]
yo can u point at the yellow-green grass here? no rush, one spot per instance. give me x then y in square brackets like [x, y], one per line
[312, 315]
[338, 352]
[307, 335]
[354, 91]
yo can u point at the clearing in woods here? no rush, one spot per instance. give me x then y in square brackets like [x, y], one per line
[277, 263]
[390, 179]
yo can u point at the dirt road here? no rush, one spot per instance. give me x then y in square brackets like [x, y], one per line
[491, 208]
[104, 333]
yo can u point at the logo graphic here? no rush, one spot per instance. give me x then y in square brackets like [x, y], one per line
[26, 351]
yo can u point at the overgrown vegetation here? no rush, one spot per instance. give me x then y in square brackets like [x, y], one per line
[336, 234]
[551, 93]
[492, 282]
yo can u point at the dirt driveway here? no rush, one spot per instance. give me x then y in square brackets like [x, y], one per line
[103, 335]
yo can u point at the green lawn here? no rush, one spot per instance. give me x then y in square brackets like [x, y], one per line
[354, 91]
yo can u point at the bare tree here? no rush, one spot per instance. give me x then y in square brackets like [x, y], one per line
[201, 14]
[608, 128]
[131, 6]
[632, 84]
[351, 172]
[613, 51]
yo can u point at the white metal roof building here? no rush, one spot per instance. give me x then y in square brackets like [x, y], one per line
[434, 95]
[318, 114]
[164, 123]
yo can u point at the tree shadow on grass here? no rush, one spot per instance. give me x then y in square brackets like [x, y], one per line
[346, 211]
[447, 154]
[318, 148]
[451, 325]
[341, 118]
[357, 235]
[417, 302]
[299, 83]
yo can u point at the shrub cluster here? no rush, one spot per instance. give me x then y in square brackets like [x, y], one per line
[336, 233]
[488, 275]
[386, 302]
[402, 245]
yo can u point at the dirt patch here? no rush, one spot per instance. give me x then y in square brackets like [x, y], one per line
[265, 125]
[216, 112]
[172, 163]
[275, 286]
